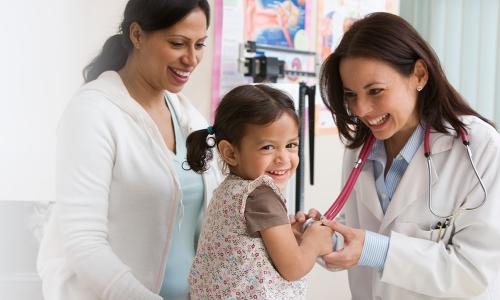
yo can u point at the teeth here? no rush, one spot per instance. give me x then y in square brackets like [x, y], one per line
[277, 172]
[181, 73]
[378, 121]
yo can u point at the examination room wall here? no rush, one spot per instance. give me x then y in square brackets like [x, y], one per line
[45, 46]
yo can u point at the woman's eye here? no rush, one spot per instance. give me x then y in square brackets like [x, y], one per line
[176, 44]
[349, 96]
[200, 45]
[375, 91]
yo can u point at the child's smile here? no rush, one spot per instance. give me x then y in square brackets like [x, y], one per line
[270, 149]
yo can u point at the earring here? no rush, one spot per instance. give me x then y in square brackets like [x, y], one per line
[419, 88]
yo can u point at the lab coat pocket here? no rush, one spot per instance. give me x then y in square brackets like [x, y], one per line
[413, 230]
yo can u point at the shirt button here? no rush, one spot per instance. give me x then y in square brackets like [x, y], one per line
[384, 195]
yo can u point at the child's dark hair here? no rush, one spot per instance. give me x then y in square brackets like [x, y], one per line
[247, 104]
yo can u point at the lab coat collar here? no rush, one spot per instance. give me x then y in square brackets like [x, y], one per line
[414, 184]
[410, 189]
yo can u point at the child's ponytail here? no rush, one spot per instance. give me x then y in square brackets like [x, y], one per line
[199, 146]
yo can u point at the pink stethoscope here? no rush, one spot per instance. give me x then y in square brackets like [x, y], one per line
[445, 221]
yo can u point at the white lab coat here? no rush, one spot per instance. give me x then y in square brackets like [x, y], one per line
[465, 264]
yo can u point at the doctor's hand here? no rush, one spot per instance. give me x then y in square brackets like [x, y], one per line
[297, 221]
[349, 256]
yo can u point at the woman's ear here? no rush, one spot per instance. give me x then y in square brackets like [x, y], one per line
[228, 153]
[421, 74]
[136, 35]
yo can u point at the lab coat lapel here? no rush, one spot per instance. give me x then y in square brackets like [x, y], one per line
[414, 183]
[366, 191]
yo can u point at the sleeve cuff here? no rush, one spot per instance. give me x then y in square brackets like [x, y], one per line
[374, 251]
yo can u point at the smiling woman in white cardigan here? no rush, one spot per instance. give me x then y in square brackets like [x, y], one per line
[122, 194]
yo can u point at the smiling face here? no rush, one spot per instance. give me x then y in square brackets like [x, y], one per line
[167, 57]
[270, 149]
[383, 99]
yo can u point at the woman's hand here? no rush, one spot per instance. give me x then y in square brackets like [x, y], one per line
[298, 220]
[349, 256]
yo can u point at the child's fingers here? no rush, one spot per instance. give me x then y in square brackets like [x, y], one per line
[300, 217]
[313, 213]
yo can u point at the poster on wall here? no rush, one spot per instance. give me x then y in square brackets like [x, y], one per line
[334, 17]
[276, 23]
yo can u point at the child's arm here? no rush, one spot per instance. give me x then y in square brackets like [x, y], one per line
[265, 213]
[294, 261]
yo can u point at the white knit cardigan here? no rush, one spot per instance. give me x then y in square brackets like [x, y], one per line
[117, 193]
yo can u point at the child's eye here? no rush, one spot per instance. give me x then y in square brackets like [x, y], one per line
[267, 147]
[292, 145]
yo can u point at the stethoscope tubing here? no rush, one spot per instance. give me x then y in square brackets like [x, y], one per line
[428, 154]
[341, 200]
[339, 203]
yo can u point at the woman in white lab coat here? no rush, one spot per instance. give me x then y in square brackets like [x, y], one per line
[383, 79]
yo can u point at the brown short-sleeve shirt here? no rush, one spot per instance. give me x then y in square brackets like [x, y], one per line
[264, 209]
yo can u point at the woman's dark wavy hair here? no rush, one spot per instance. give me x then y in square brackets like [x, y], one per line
[244, 105]
[391, 39]
[151, 15]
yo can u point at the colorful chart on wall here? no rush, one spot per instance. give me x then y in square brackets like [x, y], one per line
[275, 23]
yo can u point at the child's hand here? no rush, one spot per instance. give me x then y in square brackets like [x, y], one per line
[297, 222]
[320, 236]
[300, 217]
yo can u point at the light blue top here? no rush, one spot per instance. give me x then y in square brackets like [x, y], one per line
[182, 248]
[376, 245]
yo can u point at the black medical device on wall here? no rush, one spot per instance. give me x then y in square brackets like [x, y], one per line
[310, 93]
[264, 68]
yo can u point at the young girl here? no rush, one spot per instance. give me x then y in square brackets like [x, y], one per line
[247, 248]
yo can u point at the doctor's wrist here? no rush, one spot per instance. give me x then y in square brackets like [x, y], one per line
[374, 252]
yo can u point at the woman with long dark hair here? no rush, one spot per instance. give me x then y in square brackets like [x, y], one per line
[422, 220]
[126, 217]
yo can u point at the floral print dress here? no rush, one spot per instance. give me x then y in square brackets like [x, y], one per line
[229, 263]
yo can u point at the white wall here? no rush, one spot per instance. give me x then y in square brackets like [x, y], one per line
[45, 45]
